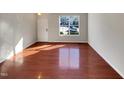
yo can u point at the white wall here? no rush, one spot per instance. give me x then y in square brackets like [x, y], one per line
[53, 30]
[17, 31]
[106, 36]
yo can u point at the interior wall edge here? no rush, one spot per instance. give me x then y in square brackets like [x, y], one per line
[21, 51]
[119, 72]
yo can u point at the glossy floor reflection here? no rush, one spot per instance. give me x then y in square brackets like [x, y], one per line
[57, 61]
[69, 58]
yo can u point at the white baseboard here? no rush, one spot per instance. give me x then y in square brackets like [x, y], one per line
[29, 45]
[65, 41]
[119, 72]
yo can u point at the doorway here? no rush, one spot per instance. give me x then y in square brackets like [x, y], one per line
[42, 27]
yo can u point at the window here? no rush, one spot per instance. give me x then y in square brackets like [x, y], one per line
[68, 25]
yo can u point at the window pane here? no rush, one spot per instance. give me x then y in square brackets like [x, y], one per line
[74, 20]
[64, 30]
[64, 20]
[74, 30]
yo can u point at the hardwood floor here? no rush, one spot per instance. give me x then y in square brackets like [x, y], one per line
[57, 61]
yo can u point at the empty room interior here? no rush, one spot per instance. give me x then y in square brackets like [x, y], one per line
[61, 45]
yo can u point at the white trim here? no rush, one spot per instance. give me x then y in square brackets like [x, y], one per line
[29, 45]
[2, 60]
[70, 41]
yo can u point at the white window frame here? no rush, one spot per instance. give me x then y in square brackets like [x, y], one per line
[69, 25]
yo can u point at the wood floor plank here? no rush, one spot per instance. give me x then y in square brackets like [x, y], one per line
[57, 61]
